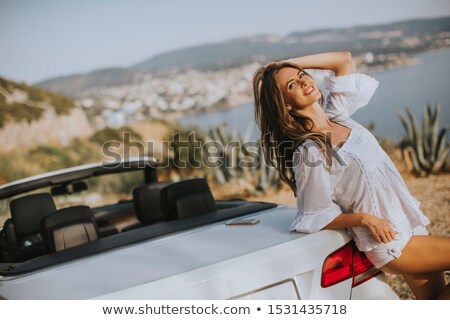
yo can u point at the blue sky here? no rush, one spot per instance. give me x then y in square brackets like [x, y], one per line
[49, 38]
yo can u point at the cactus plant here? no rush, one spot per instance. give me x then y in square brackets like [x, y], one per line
[426, 148]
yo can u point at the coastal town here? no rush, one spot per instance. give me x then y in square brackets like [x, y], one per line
[169, 93]
[173, 93]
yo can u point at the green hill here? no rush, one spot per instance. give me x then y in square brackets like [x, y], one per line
[19, 101]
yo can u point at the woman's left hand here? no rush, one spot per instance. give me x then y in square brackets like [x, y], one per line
[380, 229]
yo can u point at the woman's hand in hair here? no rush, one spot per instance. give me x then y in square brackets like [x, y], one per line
[339, 61]
[380, 229]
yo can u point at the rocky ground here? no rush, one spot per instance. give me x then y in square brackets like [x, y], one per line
[432, 191]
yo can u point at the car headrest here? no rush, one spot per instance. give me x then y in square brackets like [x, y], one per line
[26, 212]
[68, 227]
[187, 198]
[147, 202]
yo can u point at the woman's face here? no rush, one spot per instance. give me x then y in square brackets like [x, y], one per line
[298, 89]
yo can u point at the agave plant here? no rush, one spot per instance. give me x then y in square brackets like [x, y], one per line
[225, 140]
[268, 175]
[425, 149]
[236, 164]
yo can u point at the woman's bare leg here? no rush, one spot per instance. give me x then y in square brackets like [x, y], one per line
[426, 286]
[422, 263]
[422, 254]
[445, 295]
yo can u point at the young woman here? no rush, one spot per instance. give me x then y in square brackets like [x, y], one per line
[340, 175]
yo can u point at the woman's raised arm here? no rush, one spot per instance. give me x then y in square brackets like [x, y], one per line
[340, 62]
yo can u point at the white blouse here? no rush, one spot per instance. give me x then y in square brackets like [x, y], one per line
[361, 178]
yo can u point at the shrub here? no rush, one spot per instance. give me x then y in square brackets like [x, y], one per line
[111, 134]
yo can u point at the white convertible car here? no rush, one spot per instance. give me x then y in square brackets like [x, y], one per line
[165, 240]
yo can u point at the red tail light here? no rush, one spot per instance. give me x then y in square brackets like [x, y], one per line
[363, 269]
[345, 263]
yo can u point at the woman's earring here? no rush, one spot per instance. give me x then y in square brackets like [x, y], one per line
[288, 107]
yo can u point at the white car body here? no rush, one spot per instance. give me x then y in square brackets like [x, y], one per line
[262, 261]
[214, 261]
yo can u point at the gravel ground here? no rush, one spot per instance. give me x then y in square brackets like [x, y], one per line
[432, 191]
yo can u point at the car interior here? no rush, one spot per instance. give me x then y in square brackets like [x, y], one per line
[39, 234]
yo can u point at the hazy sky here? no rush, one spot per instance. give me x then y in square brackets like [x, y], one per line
[40, 39]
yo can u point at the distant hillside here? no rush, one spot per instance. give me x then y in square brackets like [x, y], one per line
[72, 85]
[407, 36]
[30, 116]
[357, 40]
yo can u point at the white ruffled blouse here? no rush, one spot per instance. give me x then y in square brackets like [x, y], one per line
[361, 178]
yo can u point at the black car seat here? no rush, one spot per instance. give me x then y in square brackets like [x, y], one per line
[147, 202]
[22, 231]
[187, 198]
[68, 227]
[26, 214]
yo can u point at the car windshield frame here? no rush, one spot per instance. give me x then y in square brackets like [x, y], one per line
[59, 177]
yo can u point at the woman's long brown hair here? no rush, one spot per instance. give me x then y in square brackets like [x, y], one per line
[281, 131]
